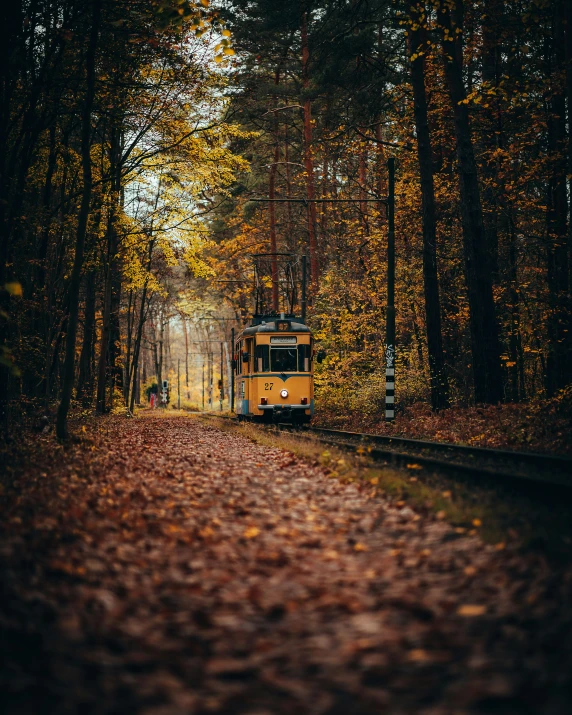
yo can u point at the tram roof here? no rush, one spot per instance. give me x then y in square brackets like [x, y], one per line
[270, 326]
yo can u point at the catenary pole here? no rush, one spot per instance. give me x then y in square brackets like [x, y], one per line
[233, 366]
[178, 383]
[304, 269]
[390, 312]
[221, 396]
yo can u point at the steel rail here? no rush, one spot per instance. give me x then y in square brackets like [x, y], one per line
[557, 460]
[558, 469]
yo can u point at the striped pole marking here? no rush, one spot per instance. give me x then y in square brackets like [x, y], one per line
[389, 385]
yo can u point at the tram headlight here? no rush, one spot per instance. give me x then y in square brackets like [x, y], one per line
[284, 393]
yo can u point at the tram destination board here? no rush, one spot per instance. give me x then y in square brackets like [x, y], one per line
[283, 340]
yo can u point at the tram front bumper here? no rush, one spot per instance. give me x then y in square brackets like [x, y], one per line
[284, 411]
[278, 408]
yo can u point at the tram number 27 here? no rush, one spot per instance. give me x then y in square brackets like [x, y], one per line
[268, 385]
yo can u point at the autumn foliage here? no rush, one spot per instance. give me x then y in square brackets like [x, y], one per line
[141, 143]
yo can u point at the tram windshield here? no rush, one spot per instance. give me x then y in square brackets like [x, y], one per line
[283, 360]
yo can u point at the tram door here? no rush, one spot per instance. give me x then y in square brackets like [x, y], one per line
[249, 344]
[243, 381]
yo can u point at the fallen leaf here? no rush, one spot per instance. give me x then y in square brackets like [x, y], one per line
[251, 533]
[418, 655]
[470, 610]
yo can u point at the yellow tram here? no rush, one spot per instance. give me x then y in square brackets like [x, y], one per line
[274, 364]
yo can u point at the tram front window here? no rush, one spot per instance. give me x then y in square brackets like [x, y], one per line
[283, 360]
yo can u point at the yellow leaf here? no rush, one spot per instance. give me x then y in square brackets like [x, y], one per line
[14, 288]
[470, 610]
[226, 33]
[470, 570]
[228, 51]
[251, 533]
[414, 466]
[477, 522]
[446, 494]
[360, 547]
[500, 546]
[441, 514]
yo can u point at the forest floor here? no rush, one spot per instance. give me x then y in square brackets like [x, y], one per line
[161, 565]
[539, 425]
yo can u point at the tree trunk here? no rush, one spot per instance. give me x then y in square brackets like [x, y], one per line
[491, 70]
[308, 159]
[363, 157]
[131, 309]
[75, 279]
[105, 335]
[85, 378]
[272, 207]
[186, 334]
[559, 358]
[437, 373]
[112, 287]
[132, 370]
[483, 324]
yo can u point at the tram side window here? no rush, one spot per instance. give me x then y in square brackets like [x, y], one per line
[238, 361]
[262, 358]
[304, 358]
[284, 360]
[249, 365]
[244, 365]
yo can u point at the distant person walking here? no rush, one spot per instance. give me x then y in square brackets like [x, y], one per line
[152, 393]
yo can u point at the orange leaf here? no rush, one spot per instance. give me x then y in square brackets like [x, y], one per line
[470, 610]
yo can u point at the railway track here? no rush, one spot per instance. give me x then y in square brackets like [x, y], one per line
[477, 463]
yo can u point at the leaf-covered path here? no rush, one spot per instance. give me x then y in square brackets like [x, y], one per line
[175, 568]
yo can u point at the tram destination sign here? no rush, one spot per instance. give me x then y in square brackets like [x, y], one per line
[283, 340]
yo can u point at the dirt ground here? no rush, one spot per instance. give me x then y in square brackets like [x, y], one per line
[163, 566]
